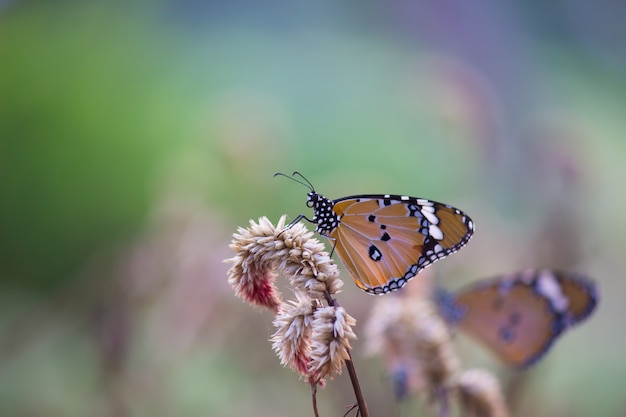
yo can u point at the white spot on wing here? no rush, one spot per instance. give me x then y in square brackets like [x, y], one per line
[548, 286]
[430, 216]
[435, 232]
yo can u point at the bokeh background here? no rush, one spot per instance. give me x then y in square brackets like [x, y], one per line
[135, 136]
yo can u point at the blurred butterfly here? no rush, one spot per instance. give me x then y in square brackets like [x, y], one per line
[519, 316]
[385, 240]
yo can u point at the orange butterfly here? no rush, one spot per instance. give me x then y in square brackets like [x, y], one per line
[385, 240]
[519, 316]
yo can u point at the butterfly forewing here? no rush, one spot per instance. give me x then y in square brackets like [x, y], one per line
[454, 226]
[368, 272]
[385, 240]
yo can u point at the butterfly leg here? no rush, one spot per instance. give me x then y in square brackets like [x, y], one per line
[294, 221]
[334, 244]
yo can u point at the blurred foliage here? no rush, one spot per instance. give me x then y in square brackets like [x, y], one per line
[86, 114]
[135, 136]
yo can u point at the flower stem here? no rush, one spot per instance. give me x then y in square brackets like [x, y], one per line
[314, 398]
[363, 411]
[444, 406]
[356, 386]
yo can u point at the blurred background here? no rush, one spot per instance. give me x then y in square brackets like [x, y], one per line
[135, 136]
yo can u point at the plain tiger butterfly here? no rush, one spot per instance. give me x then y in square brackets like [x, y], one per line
[519, 316]
[385, 240]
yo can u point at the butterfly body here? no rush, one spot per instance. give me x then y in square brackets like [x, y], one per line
[520, 316]
[384, 240]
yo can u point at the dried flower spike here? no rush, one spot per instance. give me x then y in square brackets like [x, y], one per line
[415, 345]
[311, 339]
[261, 248]
[480, 395]
[257, 255]
[434, 347]
[331, 335]
[292, 339]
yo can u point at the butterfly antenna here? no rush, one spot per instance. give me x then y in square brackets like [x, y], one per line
[306, 182]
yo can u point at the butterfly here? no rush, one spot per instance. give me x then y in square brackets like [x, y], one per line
[519, 316]
[385, 240]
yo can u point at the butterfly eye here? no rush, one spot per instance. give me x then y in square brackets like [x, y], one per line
[311, 199]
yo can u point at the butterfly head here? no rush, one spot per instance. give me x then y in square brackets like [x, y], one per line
[312, 199]
[324, 217]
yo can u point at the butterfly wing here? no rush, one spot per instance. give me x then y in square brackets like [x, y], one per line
[519, 317]
[385, 240]
[516, 324]
[581, 294]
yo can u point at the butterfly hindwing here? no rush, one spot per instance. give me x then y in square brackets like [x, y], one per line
[385, 240]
